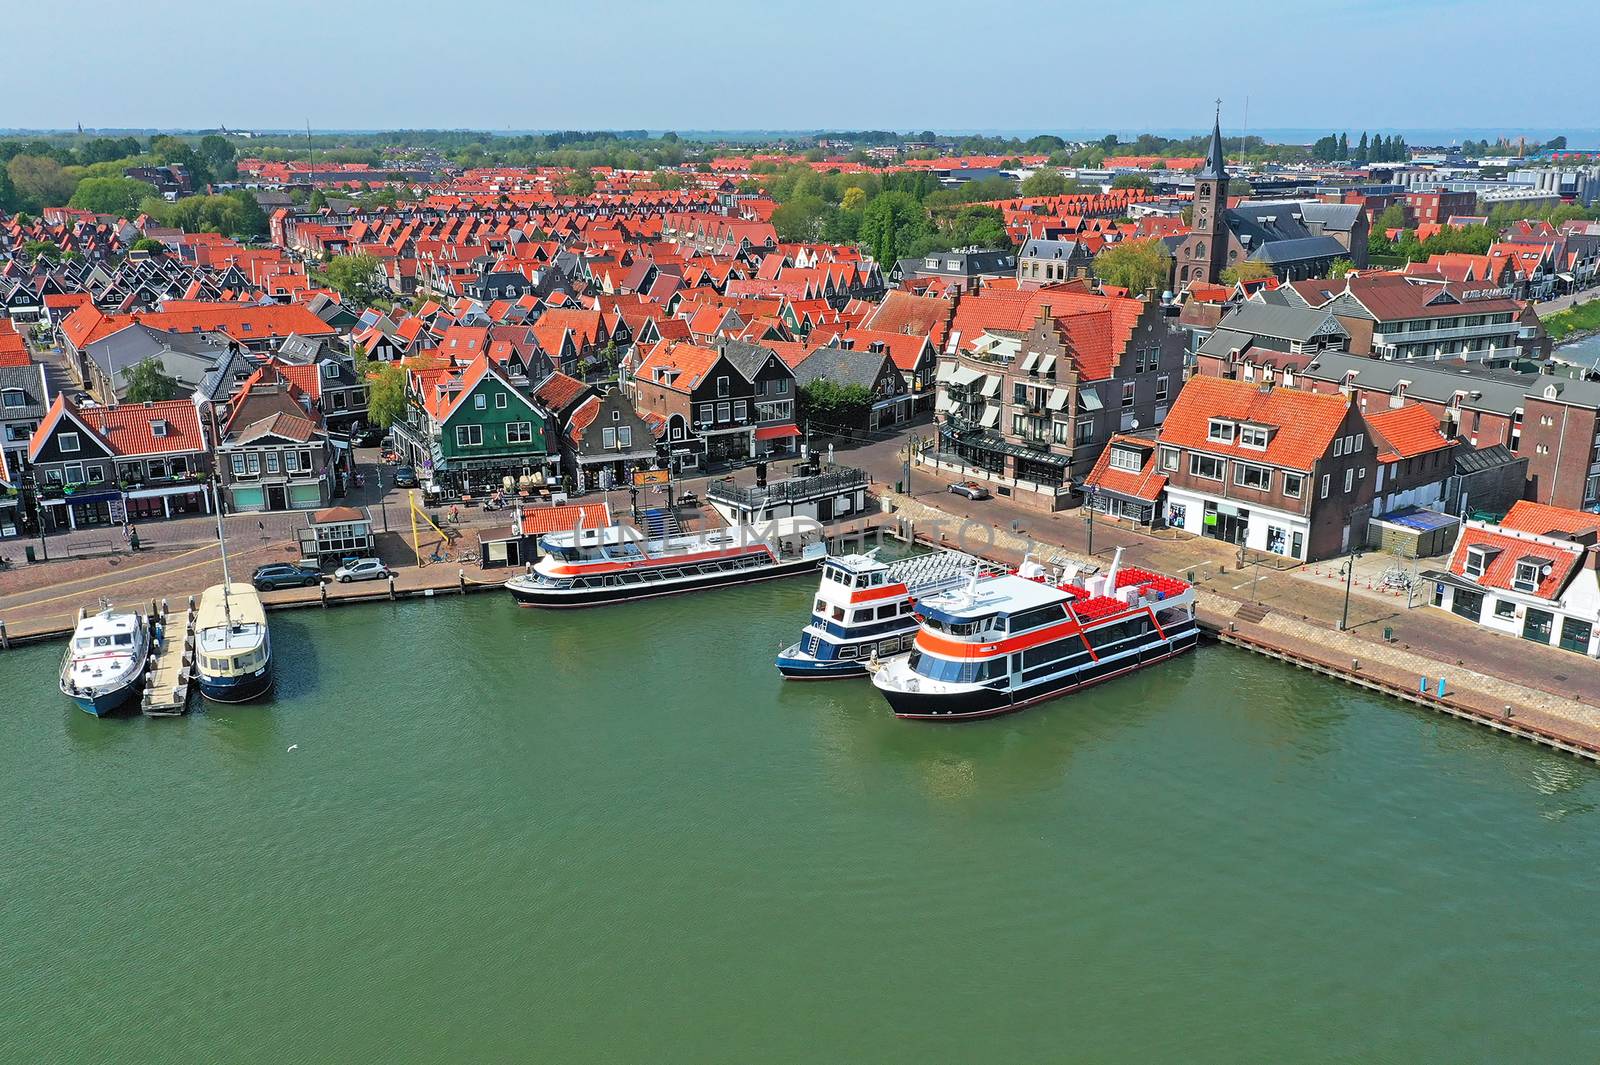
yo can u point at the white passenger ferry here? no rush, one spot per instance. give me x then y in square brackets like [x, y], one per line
[864, 610]
[1000, 644]
[593, 567]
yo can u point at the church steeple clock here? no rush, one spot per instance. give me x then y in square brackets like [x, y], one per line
[1206, 250]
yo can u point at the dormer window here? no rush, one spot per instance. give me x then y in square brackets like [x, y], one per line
[67, 442]
[1254, 436]
[1126, 458]
[1530, 571]
[1477, 560]
[1220, 430]
[158, 428]
[13, 397]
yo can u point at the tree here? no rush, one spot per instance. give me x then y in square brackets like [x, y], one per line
[1136, 265]
[217, 153]
[35, 248]
[855, 198]
[1361, 150]
[1338, 268]
[890, 225]
[39, 181]
[148, 382]
[833, 406]
[1344, 146]
[1046, 181]
[120, 196]
[978, 226]
[1131, 181]
[1393, 217]
[578, 183]
[149, 245]
[802, 219]
[669, 180]
[1245, 271]
[386, 396]
[356, 278]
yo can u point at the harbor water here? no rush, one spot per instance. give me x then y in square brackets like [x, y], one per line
[463, 832]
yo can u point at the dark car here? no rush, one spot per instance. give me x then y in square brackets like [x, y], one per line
[284, 575]
[405, 477]
[970, 489]
[366, 435]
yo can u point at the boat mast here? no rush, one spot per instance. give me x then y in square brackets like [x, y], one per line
[227, 615]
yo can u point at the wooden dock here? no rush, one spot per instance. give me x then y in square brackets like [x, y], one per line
[166, 683]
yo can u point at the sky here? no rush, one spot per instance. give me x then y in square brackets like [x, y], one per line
[1050, 65]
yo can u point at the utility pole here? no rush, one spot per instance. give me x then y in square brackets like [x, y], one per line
[1088, 505]
[1349, 580]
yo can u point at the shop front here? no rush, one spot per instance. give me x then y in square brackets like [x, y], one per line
[171, 501]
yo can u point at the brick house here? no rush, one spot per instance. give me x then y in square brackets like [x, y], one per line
[1033, 385]
[1270, 468]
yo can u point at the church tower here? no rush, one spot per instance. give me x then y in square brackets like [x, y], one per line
[1204, 255]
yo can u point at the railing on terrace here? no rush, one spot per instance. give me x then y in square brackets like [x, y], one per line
[797, 489]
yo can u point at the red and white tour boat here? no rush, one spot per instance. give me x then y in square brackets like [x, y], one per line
[1009, 641]
[593, 567]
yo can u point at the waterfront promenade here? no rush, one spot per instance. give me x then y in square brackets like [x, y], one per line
[1296, 611]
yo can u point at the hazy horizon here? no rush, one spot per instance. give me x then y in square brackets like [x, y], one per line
[721, 65]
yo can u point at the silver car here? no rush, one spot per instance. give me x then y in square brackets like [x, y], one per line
[362, 569]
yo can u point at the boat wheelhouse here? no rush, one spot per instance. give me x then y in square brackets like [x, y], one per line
[233, 649]
[593, 567]
[103, 669]
[1013, 640]
[863, 610]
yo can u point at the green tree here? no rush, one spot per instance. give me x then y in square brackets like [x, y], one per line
[891, 225]
[150, 245]
[386, 396]
[1131, 181]
[670, 180]
[39, 182]
[803, 219]
[356, 278]
[1046, 181]
[1393, 217]
[217, 153]
[1245, 271]
[831, 406]
[578, 183]
[978, 226]
[1136, 265]
[120, 196]
[148, 382]
[35, 248]
[1338, 268]
[855, 198]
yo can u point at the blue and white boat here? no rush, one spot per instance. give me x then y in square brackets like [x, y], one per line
[864, 610]
[104, 666]
[233, 649]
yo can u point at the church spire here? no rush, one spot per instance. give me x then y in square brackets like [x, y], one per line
[1216, 166]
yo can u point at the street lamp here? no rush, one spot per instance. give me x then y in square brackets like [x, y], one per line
[913, 446]
[1349, 579]
[1088, 506]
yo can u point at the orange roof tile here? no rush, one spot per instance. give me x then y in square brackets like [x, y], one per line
[1305, 423]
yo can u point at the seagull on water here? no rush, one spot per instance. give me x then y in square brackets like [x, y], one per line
[292, 747]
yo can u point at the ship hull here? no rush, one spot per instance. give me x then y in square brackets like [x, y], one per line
[796, 666]
[242, 689]
[980, 702]
[109, 701]
[530, 594]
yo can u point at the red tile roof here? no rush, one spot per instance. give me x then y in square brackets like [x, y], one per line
[1542, 519]
[1404, 432]
[1146, 484]
[1305, 423]
[1557, 561]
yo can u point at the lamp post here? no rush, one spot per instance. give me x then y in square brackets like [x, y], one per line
[913, 444]
[1349, 580]
[1088, 506]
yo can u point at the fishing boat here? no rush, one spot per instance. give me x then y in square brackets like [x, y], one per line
[233, 649]
[618, 564]
[864, 610]
[993, 646]
[103, 669]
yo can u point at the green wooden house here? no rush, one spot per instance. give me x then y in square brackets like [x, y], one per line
[468, 428]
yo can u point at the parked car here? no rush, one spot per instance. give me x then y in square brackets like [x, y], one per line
[284, 575]
[362, 569]
[366, 435]
[970, 489]
[405, 477]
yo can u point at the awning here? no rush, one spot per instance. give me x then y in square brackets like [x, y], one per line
[942, 403]
[947, 372]
[1029, 362]
[1565, 277]
[1048, 366]
[170, 490]
[991, 417]
[776, 432]
[991, 385]
[964, 375]
[1058, 399]
[1089, 399]
[985, 442]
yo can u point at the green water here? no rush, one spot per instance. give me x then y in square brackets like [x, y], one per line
[615, 836]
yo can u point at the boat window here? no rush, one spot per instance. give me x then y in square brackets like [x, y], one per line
[822, 608]
[838, 613]
[124, 640]
[858, 616]
[888, 647]
[102, 641]
[847, 650]
[1038, 616]
[83, 643]
[888, 611]
[908, 642]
